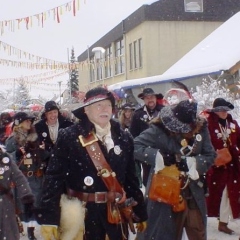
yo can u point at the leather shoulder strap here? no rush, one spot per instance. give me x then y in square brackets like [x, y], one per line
[99, 161]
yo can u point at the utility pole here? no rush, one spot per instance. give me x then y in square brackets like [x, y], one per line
[59, 83]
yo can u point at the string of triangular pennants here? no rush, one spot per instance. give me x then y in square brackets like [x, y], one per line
[28, 21]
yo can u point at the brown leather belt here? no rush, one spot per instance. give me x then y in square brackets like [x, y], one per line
[97, 197]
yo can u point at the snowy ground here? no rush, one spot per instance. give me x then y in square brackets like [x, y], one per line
[213, 233]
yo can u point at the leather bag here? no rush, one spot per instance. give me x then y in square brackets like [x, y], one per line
[165, 186]
[223, 157]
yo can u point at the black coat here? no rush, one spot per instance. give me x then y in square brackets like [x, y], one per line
[140, 120]
[70, 164]
[43, 132]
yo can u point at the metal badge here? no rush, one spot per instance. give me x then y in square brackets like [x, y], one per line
[184, 143]
[1, 170]
[27, 161]
[6, 168]
[88, 181]
[5, 160]
[44, 134]
[198, 137]
[117, 150]
[92, 148]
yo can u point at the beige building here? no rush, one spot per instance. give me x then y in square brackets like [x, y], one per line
[151, 40]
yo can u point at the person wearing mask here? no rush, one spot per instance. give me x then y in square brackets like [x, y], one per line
[126, 114]
[224, 180]
[177, 137]
[140, 122]
[93, 162]
[52, 120]
[30, 156]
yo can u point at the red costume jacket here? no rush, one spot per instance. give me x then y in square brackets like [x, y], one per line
[229, 175]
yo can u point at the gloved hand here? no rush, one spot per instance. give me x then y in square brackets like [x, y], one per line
[192, 166]
[182, 165]
[28, 210]
[49, 231]
[141, 226]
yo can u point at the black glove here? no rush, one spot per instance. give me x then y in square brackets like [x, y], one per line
[28, 210]
[182, 165]
[169, 159]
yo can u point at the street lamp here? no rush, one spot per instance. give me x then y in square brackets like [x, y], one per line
[98, 54]
[59, 83]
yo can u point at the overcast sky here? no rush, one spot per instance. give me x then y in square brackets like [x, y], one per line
[93, 20]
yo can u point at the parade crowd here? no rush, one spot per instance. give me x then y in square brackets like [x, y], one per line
[83, 178]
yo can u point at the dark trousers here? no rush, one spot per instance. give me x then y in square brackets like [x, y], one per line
[97, 225]
[191, 220]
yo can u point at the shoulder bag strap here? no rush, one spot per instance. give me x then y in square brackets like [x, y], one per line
[99, 161]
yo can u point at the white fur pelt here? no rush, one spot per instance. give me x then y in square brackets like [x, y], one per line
[72, 218]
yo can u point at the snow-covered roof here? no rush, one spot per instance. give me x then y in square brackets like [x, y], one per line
[218, 51]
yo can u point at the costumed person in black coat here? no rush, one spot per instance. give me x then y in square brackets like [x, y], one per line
[140, 122]
[10, 176]
[48, 127]
[78, 168]
[30, 157]
[177, 139]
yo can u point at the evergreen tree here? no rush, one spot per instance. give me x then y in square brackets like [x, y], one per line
[22, 96]
[73, 81]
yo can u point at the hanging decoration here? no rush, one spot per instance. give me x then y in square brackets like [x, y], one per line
[34, 79]
[13, 24]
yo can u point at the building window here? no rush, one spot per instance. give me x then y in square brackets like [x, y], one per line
[140, 52]
[135, 54]
[193, 5]
[119, 57]
[131, 56]
[108, 62]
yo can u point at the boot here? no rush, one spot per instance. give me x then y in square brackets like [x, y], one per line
[222, 227]
[30, 231]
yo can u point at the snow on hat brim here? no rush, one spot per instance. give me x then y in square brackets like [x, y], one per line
[221, 105]
[171, 122]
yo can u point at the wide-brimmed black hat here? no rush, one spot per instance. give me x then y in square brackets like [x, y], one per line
[149, 92]
[92, 96]
[221, 105]
[21, 117]
[50, 105]
[179, 118]
[128, 106]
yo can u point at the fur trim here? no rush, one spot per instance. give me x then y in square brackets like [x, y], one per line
[72, 218]
[22, 138]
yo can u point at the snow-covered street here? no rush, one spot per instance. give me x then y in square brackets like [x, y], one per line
[213, 233]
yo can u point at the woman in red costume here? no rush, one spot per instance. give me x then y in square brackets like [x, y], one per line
[224, 181]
